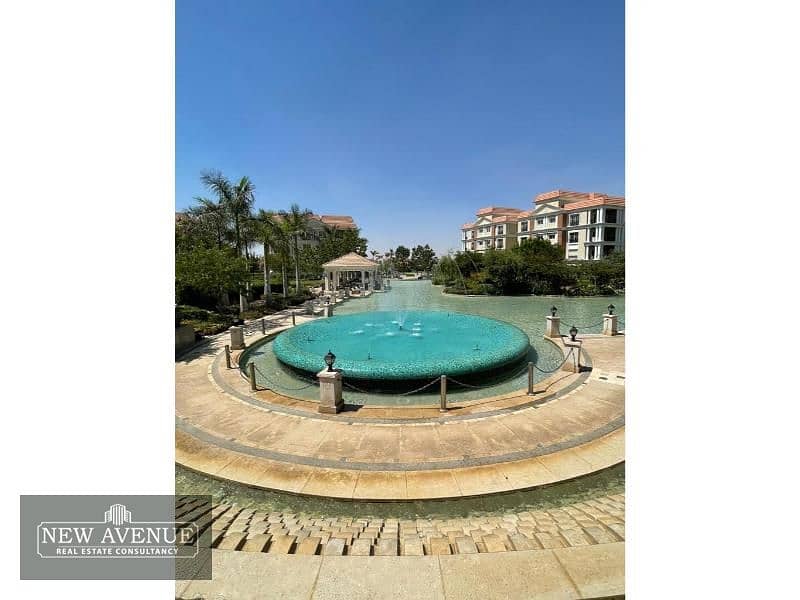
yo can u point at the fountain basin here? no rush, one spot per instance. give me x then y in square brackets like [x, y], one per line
[400, 346]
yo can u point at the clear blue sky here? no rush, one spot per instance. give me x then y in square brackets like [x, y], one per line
[406, 115]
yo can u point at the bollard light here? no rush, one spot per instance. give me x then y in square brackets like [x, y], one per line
[330, 358]
[573, 331]
[553, 311]
[611, 309]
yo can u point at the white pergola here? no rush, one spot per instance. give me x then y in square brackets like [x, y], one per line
[345, 268]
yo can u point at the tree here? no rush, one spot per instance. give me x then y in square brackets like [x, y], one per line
[212, 213]
[337, 242]
[423, 258]
[402, 255]
[295, 223]
[269, 231]
[210, 271]
[237, 201]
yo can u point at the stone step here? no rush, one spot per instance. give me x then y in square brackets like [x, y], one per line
[281, 544]
[256, 543]
[334, 547]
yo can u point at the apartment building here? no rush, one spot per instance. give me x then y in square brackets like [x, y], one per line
[494, 227]
[317, 225]
[589, 226]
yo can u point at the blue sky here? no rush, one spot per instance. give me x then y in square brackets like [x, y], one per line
[406, 115]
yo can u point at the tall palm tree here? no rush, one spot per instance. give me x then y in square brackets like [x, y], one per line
[214, 212]
[295, 222]
[269, 230]
[237, 200]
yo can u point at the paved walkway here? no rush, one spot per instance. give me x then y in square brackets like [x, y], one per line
[564, 573]
[262, 439]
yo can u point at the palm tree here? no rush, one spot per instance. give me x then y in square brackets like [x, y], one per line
[213, 212]
[295, 222]
[237, 200]
[269, 231]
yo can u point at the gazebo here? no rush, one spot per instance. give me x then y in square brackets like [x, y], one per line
[345, 268]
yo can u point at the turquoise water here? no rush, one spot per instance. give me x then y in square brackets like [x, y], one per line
[403, 344]
[526, 312]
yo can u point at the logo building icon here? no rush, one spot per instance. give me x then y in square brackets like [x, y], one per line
[118, 514]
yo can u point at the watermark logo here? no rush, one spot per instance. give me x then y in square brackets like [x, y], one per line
[117, 536]
[148, 537]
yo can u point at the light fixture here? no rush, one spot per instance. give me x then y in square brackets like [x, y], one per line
[573, 331]
[553, 311]
[611, 309]
[330, 358]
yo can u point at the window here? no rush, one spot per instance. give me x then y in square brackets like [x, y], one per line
[499, 230]
[523, 226]
[551, 236]
[524, 238]
[590, 252]
[611, 215]
[592, 233]
[573, 237]
[609, 234]
[574, 219]
[499, 243]
[593, 216]
[551, 219]
[540, 221]
[472, 245]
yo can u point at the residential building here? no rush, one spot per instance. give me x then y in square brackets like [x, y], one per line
[589, 226]
[494, 227]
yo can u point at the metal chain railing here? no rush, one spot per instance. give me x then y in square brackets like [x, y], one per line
[419, 389]
[278, 385]
[547, 372]
[520, 371]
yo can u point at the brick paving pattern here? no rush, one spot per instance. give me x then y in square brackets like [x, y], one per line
[597, 521]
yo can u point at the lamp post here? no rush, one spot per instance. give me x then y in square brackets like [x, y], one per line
[330, 387]
[553, 311]
[573, 331]
[611, 309]
[330, 358]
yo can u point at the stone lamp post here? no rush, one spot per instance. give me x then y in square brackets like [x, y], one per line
[573, 364]
[551, 329]
[610, 326]
[330, 387]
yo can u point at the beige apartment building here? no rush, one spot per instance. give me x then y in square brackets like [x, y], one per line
[589, 226]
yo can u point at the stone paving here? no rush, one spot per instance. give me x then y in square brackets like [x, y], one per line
[573, 426]
[597, 521]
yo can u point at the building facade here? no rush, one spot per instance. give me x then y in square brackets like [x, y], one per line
[588, 226]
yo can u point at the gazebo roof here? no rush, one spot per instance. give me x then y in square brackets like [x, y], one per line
[351, 261]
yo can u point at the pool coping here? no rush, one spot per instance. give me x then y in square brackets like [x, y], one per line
[215, 374]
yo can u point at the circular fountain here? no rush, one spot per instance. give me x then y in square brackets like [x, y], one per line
[396, 346]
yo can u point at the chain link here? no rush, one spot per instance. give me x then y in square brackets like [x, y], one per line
[283, 387]
[558, 367]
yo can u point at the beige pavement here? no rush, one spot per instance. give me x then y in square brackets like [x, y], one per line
[572, 427]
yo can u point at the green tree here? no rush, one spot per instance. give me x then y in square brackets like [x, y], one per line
[237, 201]
[401, 257]
[269, 232]
[423, 258]
[210, 271]
[295, 223]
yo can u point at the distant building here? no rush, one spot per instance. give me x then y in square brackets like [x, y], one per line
[589, 226]
[316, 225]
